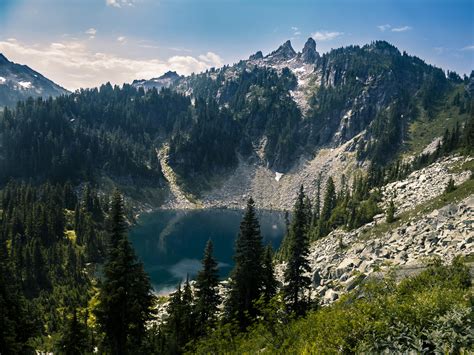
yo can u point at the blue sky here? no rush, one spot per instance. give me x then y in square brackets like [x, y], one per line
[82, 43]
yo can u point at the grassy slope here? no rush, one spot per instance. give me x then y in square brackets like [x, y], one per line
[423, 130]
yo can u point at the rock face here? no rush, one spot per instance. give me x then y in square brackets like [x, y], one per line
[309, 53]
[340, 261]
[164, 81]
[284, 52]
[256, 56]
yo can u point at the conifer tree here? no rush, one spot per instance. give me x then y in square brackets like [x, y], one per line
[328, 207]
[246, 277]
[125, 295]
[390, 212]
[73, 338]
[16, 323]
[207, 296]
[296, 282]
[269, 280]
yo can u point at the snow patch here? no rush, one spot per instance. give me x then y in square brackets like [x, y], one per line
[2, 80]
[278, 176]
[25, 84]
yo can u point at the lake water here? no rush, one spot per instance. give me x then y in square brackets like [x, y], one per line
[170, 243]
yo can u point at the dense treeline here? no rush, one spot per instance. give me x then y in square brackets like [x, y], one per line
[48, 237]
[55, 301]
[116, 132]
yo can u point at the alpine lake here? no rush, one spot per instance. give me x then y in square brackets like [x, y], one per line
[170, 243]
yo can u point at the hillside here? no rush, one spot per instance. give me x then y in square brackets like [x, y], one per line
[260, 127]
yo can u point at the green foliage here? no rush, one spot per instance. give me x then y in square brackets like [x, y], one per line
[450, 187]
[390, 217]
[125, 298]
[207, 296]
[296, 282]
[430, 312]
[247, 275]
[74, 338]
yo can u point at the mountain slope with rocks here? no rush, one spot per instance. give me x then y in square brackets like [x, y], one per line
[291, 107]
[430, 223]
[18, 82]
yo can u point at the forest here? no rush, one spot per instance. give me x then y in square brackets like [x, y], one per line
[71, 282]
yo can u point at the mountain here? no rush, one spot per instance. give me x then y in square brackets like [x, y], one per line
[164, 81]
[261, 127]
[370, 103]
[18, 82]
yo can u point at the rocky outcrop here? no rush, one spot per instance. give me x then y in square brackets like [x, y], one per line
[342, 260]
[257, 56]
[284, 52]
[424, 184]
[309, 54]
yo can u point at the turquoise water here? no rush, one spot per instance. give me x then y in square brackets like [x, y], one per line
[170, 243]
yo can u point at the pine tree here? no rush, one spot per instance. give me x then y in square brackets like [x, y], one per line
[246, 277]
[390, 212]
[73, 338]
[173, 328]
[269, 280]
[296, 282]
[16, 321]
[180, 326]
[207, 296]
[328, 207]
[450, 187]
[125, 297]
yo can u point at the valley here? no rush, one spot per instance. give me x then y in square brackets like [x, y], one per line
[290, 202]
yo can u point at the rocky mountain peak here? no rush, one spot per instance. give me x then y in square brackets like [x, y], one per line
[258, 55]
[309, 54]
[169, 75]
[284, 52]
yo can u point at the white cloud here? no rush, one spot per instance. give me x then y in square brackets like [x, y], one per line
[119, 3]
[121, 39]
[383, 28]
[91, 32]
[468, 48]
[326, 35]
[73, 64]
[401, 29]
[296, 31]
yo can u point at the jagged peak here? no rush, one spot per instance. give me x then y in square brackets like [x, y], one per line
[169, 75]
[309, 54]
[258, 55]
[285, 51]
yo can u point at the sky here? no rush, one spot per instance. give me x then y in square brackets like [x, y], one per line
[84, 43]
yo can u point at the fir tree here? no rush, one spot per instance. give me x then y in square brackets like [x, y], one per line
[125, 295]
[330, 200]
[269, 280]
[246, 277]
[390, 212]
[73, 338]
[16, 321]
[296, 282]
[207, 296]
[450, 187]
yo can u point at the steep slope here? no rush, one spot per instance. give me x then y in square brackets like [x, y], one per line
[430, 223]
[18, 82]
[291, 105]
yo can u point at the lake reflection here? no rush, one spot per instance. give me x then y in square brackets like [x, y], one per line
[171, 242]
